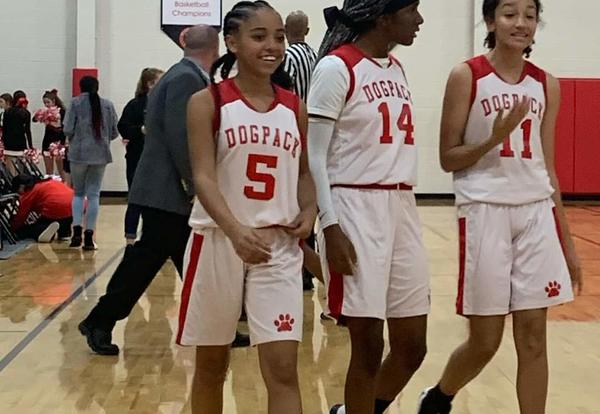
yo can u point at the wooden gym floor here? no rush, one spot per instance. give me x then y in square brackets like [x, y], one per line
[46, 367]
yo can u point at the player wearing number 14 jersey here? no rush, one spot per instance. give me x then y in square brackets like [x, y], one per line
[363, 157]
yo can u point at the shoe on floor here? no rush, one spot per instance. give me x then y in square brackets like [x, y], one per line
[430, 405]
[76, 239]
[48, 234]
[98, 339]
[241, 340]
[88, 240]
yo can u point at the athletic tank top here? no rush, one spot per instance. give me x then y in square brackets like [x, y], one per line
[515, 172]
[258, 158]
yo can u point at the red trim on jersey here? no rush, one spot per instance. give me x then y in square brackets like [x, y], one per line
[292, 101]
[335, 293]
[480, 67]
[558, 230]
[462, 251]
[397, 62]
[288, 99]
[399, 186]
[239, 95]
[537, 74]
[350, 55]
[223, 93]
[189, 282]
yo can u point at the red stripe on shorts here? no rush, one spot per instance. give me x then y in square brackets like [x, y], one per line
[462, 252]
[558, 230]
[335, 293]
[189, 282]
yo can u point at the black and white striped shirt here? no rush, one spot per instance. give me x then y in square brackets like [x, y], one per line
[299, 63]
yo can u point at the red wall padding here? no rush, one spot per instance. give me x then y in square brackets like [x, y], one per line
[564, 151]
[79, 73]
[587, 136]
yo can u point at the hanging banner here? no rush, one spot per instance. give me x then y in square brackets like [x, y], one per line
[189, 13]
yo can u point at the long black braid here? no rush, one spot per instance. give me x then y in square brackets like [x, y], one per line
[355, 18]
[241, 12]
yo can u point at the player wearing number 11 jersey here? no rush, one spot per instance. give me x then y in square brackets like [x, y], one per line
[497, 137]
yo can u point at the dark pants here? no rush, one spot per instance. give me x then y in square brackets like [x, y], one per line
[133, 212]
[164, 236]
[33, 231]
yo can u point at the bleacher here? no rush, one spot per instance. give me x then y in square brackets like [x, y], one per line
[9, 201]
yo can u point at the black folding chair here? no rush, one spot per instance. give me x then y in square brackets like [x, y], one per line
[9, 205]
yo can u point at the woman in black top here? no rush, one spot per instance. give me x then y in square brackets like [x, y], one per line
[131, 127]
[53, 115]
[16, 129]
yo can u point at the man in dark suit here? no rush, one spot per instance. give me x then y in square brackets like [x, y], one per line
[162, 187]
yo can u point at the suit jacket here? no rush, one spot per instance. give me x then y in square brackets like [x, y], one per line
[163, 179]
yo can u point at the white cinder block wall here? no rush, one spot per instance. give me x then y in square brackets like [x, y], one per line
[37, 50]
[129, 38]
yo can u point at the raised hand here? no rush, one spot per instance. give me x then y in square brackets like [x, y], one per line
[505, 125]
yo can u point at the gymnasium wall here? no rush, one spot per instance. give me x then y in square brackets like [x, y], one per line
[128, 38]
[37, 49]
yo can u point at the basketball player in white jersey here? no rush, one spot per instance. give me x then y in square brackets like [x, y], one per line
[363, 156]
[497, 137]
[256, 200]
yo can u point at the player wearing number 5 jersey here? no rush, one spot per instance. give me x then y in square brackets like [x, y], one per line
[497, 137]
[256, 199]
[363, 156]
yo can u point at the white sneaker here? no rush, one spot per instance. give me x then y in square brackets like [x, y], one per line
[47, 235]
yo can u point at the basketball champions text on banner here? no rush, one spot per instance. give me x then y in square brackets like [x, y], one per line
[189, 13]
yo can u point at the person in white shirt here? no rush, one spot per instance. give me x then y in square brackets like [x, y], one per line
[363, 157]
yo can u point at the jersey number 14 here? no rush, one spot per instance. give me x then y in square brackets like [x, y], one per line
[404, 124]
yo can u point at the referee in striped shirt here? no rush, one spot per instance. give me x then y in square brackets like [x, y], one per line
[300, 58]
[299, 63]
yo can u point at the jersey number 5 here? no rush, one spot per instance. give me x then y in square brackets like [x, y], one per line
[404, 124]
[507, 150]
[270, 161]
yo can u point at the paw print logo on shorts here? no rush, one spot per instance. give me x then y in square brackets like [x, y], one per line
[553, 289]
[284, 323]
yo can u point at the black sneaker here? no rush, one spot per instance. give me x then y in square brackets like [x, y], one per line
[307, 282]
[76, 239]
[430, 405]
[98, 339]
[88, 240]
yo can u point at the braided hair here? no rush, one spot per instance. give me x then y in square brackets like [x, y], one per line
[489, 14]
[90, 85]
[355, 18]
[241, 12]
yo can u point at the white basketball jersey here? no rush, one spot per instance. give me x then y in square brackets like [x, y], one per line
[515, 172]
[373, 141]
[258, 158]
